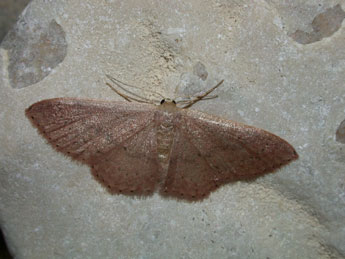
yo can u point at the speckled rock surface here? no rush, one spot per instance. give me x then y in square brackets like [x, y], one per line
[283, 66]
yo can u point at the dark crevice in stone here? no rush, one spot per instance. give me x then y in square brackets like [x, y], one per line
[340, 134]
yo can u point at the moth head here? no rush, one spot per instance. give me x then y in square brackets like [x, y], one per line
[168, 101]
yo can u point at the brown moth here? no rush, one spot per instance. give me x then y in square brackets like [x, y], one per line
[141, 148]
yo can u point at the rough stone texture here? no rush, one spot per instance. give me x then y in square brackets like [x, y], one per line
[9, 11]
[51, 207]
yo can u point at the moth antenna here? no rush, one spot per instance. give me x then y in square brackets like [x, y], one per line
[129, 98]
[203, 96]
[188, 99]
[118, 83]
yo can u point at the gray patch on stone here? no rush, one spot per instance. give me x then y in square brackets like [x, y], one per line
[340, 134]
[199, 70]
[189, 85]
[324, 25]
[34, 50]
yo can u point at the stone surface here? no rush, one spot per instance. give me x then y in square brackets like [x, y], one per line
[34, 49]
[324, 25]
[9, 11]
[340, 134]
[51, 207]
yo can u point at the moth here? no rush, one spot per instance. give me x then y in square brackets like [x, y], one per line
[143, 146]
